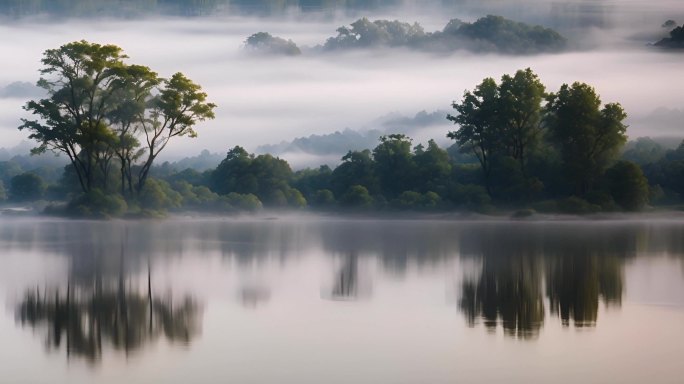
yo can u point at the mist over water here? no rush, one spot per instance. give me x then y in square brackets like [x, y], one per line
[265, 100]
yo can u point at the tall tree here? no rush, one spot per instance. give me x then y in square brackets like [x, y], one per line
[357, 168]
[174, 112]
[519, 110]
[479, 129]
[99, 108]
[588, 137]
[433, 168]
[394, 164]
[80, 79]
[499, 120]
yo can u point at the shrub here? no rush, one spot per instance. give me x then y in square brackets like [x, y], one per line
[627, 185]
[323, 198]
[97, 204]
[575, 205]
[357, 196]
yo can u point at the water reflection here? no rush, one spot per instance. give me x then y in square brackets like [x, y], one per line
[509, 290]
[528, 274]
[83, 318]
[574, 285]
[105, 304]
[347, 279]
[577, 268]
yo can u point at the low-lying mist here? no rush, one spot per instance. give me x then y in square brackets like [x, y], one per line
[266, 100]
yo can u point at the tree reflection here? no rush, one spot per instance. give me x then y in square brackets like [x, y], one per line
[578, 268]
[346, 282]
[508, 290]
[574, 284]
[85, 318]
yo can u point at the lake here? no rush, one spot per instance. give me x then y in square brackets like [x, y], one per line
[324, 299]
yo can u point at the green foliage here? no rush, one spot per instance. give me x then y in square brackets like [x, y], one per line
[295, 198]
[323, 198]
[432, 168]
[158, 195]
[415, 200]
[496, 33]
[394, 164]
[265, 176]
[97, 106]
[357, 168]
[357, 196]
[26, 187]
[471, 197]
[487, 34]
[3, 192]
[364, 33]
[9, 169]
[643, 151]
[603, 199]
[265, 43]
[310, 181]
[587, 136]
[500, 121]
[627, 185]
[576, 205]
[240, 202]
[97, 204]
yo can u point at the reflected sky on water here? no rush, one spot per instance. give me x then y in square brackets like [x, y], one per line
[301, 299]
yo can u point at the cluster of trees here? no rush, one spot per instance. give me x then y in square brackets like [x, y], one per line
[532, 144]
[487, 34]
[109, 117]
[265, 43]
[35, 175]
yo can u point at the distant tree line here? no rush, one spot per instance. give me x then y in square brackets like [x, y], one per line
[487, 34]
[517, 147]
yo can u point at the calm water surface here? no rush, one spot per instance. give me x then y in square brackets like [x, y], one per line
[324, 300]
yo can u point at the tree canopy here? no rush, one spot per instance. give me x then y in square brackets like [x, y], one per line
[587, 135]
[521, 135]
[99, 108]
